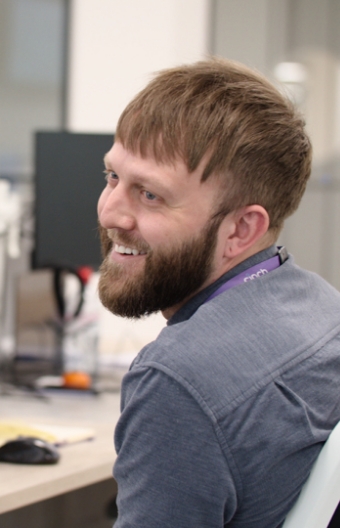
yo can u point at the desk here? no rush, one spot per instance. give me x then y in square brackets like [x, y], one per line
[80, 464]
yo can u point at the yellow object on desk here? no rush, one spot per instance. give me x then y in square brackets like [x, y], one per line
[55, 434]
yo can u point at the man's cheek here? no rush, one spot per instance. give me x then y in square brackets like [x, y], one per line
[106, 242]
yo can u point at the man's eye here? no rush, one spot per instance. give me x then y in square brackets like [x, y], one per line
[149, 196]
[110, 175]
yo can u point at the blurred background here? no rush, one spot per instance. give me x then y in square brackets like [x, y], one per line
[73, 65]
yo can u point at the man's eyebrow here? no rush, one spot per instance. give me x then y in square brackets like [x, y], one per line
[146, 180]
[143, 179]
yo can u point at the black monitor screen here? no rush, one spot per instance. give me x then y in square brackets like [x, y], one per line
[68, 181]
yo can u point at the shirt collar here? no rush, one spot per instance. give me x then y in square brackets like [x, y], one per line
[190, 307]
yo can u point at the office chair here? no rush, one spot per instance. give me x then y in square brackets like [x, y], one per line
[321, 493]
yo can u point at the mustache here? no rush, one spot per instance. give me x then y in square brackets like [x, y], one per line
[108, 237]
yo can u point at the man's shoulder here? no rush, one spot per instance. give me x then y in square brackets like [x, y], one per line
[248, 335]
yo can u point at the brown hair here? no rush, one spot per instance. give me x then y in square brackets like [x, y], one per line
[252, 136]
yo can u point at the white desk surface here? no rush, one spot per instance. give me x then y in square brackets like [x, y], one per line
[80, 464]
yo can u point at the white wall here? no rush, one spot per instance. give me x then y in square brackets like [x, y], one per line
[115, 47]
[117, 44]
[248, 45]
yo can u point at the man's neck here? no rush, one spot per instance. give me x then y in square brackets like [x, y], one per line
[264, 243]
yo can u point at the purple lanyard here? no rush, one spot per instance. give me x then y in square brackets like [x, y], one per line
[253, 273]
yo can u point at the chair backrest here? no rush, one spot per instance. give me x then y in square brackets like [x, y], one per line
[320, 495]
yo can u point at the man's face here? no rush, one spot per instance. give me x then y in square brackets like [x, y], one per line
[158, 237]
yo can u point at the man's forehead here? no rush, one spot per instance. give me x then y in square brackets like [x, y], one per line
[119, 152]
[170, 176]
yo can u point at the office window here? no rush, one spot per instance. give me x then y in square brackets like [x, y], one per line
[32, 51]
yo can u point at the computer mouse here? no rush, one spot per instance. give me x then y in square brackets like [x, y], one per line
[29, 450]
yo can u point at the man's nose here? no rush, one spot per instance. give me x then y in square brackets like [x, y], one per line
[115, 210]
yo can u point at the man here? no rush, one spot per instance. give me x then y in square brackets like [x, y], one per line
[224, 414]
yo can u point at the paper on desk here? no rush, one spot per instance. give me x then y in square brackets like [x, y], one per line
[55, 434]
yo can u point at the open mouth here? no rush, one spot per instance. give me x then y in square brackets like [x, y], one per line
[123, 250]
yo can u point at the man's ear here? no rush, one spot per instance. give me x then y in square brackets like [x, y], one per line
[248, 228]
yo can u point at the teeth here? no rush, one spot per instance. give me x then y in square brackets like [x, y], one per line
[127, 251]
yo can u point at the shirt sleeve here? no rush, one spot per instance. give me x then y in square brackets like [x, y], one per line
[170, 469]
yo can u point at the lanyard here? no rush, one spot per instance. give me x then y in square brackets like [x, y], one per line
[253, 273]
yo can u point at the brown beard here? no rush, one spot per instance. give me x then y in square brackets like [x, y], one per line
[167, 279]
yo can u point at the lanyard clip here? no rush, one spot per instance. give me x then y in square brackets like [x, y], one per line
[282, 253]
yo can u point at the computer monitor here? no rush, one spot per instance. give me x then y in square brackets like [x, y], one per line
[68, 181]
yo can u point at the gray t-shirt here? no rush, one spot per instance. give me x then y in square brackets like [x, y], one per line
[225, 412]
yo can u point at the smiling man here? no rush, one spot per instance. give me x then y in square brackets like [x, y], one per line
[224, 414]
